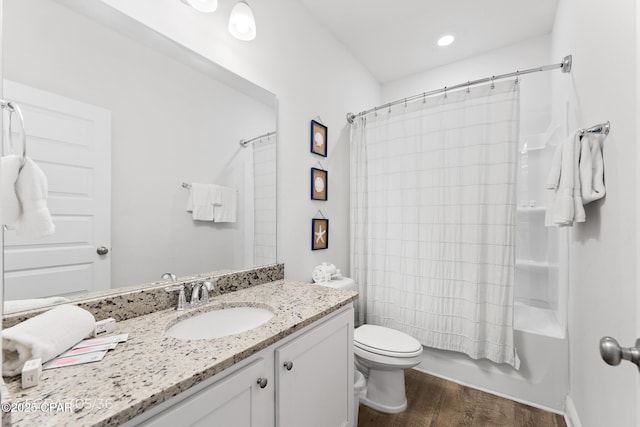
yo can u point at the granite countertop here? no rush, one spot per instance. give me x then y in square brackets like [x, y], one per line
[150, 367]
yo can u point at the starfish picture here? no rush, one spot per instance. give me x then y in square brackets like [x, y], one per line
[320, 235]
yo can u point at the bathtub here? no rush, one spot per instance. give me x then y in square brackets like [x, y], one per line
[542, 380]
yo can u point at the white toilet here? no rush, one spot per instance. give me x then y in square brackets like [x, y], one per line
[382, 354]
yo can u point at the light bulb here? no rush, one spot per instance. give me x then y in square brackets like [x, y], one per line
[242, 24]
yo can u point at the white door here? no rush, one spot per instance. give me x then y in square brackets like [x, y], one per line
[71, 142]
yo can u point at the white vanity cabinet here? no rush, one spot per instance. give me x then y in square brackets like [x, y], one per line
[314, 377]
[305, 379]
[242, 399]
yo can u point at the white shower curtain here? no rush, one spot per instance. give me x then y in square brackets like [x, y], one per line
[433, 212]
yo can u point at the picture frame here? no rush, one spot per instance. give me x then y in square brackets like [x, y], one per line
[319, 184]
[319, 134]
[319, 234]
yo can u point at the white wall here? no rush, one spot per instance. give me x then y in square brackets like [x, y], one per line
[155, 101]
[603, 283]
[313, 75]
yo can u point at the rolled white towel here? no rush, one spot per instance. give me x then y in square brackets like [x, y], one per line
[45, 335]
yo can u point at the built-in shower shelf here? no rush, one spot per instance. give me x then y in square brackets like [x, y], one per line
[535, 209]
[528, 263]
[537, 320]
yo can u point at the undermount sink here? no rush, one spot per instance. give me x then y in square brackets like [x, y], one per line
[219, 323]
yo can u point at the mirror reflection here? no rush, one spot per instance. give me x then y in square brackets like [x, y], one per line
[139, 138]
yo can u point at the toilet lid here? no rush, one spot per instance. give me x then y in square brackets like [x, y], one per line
[386, 341]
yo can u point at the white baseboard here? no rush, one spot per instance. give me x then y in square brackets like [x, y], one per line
[571, 415]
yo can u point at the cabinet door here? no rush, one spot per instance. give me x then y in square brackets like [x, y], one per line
[317, 390]
[237, 400]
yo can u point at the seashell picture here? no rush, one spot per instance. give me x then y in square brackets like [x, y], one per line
[319, 184]
[318, 138]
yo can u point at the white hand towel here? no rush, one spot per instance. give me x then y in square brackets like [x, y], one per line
[45, 335]
[226, 211]
[201, 199]
[565, 206]
[32, 187]
[9, 203]
[591, 169]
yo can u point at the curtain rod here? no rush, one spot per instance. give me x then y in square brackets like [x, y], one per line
[244, 143]
[565, 66]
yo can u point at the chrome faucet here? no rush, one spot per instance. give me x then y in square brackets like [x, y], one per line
[200, 293]
[170, 276]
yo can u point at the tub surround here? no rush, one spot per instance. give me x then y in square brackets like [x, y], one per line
[140, 300]
[151, 367]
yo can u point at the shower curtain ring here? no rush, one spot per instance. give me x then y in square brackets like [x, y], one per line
[424, 97]
[493, 86]
[405, 103]
[517, 76]
[445, 92]
[468, 86]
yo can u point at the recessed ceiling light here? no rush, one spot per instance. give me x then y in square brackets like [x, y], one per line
[205, 6]
[446, 40]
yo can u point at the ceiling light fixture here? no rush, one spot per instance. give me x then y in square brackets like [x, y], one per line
[242, 24]
[446, 40]
[205, 6]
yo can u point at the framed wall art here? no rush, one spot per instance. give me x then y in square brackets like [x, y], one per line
[319, 180]
[319, 234]
[319, 134]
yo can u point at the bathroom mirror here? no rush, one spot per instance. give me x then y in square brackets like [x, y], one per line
[122, 120]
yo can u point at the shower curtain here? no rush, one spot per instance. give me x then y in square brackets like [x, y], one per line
[433, 212]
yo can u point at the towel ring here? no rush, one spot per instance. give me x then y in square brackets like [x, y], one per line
[13, 107]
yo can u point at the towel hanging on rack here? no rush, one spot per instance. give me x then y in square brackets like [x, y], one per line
[591, 169]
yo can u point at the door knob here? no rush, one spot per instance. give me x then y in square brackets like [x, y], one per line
[288, 365]
[102, 250]
[613, 354]
[262, 382]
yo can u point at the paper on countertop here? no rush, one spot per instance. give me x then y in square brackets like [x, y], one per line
[102, 340]
[61, 362]
[84, 350]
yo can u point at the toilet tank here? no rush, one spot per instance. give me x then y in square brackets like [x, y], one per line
[345, 283]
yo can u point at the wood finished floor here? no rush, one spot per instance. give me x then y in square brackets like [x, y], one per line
[435, 402]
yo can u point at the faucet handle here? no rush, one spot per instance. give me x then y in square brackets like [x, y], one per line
[207, 287]
[182, 300]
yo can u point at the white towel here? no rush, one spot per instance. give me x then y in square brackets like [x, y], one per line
[227, 209]
[9, 203]
[30, 304]
[591, 169]
[565, 206]
[32, 187]
[45, 335]
[201, 199]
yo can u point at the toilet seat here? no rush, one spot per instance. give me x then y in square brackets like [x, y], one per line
[386, 342]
